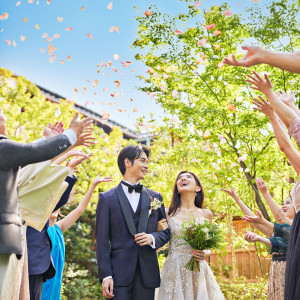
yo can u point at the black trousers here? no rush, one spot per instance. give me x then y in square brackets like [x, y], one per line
[136, 291]
[36, 286]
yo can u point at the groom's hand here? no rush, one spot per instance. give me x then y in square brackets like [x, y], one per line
[143, 239]
[108, 288]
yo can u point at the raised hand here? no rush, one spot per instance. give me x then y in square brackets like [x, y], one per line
[99, 179]
[258, 219]
[254, 56]
[232, 193]
[78, 160]
[79, 126]
[77, 152]
[260, 84]
[251, 237]
[287, 99]
[263, 106]
[162, 225]
[85, 139]
[53, 130]
[261, 185]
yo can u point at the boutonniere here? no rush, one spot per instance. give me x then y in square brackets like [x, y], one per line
[155, 204]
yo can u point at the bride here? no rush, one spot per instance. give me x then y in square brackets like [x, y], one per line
[177, 282]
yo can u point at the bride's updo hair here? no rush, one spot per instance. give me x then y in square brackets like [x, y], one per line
[176, 202]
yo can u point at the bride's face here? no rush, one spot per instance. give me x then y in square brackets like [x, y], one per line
[186, 183]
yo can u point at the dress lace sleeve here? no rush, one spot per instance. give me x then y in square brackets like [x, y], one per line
[294, 130]
[280, 238]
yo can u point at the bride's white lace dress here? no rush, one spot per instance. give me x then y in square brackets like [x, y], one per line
[179, 283]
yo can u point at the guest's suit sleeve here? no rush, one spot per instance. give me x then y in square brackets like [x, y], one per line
[13, 154]
[163, 236]
[103, 239]
[71, 180]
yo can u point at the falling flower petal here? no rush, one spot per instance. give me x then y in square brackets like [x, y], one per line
[48, 2]
[95, 83]
[135, 109]
[209, 27]
[60, 19]
[56, 36]
[4, 16]
[8, 42]
[51, 49]
[44, 35]
[84, 87]
[62, 62]
[76, 90]
[166, 76]
[231, 107]
[110, 5]
[52, 58]
[217, 32]
[197, 4]
[18, 3]
[37, 27]
[68, 29]
[202, 42]
[25, 20]
[49, 39]
[217, 46]
[2, 29]
[148, 13]
[117, 82]
[227, 13]
[105, 90]
[89, 36]
[175, 94]
[82, 8]
[42, 50]
[220, 65]
[57, 113]
[69, 58]
[114, 28]
[14, 43]
[23, 38]
[178, 32]
[116, 56]
[30, 1]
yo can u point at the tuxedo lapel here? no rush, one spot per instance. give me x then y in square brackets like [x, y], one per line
[126, 209]
[145, 206]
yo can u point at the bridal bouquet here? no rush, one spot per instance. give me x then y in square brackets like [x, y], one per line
[200, 234]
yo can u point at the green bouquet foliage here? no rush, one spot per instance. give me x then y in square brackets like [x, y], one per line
[201, 234]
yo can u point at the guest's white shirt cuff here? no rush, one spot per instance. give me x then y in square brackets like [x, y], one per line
[70, 134]
[153, 242]
[108, 277]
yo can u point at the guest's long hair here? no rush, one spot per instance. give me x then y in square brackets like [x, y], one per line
[176, 201]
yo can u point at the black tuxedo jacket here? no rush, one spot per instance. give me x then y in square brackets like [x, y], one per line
[117, 252]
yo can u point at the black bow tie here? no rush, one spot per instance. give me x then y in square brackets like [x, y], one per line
[137, 187]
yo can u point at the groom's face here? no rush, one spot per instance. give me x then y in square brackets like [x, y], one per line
[139, 168]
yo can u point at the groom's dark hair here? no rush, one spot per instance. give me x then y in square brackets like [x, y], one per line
[131, 152]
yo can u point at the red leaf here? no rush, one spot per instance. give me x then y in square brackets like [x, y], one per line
[89, 36]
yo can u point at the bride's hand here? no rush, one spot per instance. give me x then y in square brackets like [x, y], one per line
[199, 254]
[162, 225]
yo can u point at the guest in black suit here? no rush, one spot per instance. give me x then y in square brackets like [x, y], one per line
[126, 237]
[13, 156]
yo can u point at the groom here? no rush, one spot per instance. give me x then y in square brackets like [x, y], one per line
[126, 237]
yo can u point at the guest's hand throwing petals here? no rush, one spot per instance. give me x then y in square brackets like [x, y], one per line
[53, 130]
[258, 219]
[254, 56]
[232, 193]
[260, 84]
[263, 106]
[251, 237]
[100, 179]
[261, 185]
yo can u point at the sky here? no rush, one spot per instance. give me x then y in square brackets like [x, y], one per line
[24, 50]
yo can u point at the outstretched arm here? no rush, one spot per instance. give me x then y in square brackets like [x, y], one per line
[73, 216]
[278, 214]
[256, 55]
[252, 237]
[284, 142]
[264, 85]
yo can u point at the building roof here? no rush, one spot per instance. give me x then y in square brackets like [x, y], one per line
[106, 125]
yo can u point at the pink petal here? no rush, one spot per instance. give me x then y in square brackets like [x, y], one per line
[82, 8]
[135, 109]
[69, 58]
[4, 16]
[56, 36]
[202, 42]
[210, 26]
[110, 5]
[18, 3]
[60, 19]
[52, 59]
[44, 35]
[68, 29]
[220, 65]
[23, 38]
[148, 13]
[116, 56]
[8, 42]
[30, 1]
[14, 43]
[42, 50]
[178, 31]
[217, 32]
[197, 4]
